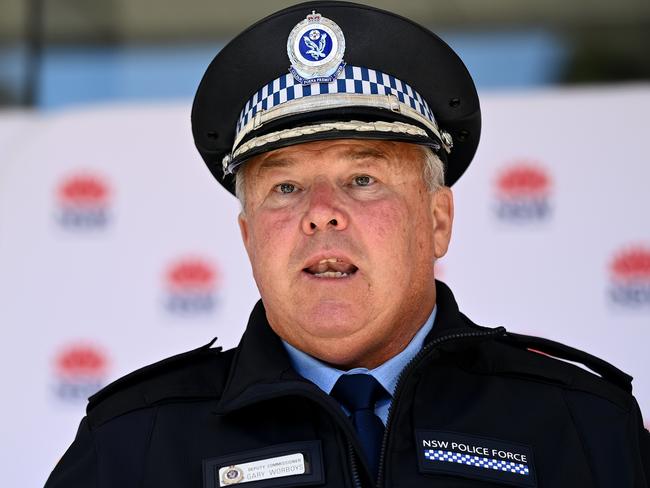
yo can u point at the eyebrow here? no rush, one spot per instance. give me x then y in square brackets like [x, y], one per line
[366, 153]
[275, 163]
[353, 154]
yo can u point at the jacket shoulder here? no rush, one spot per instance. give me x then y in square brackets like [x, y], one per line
[193, 375]
[545, 360]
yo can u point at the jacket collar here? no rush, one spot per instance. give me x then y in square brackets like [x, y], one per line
[261, 367]
[259, 364]
[449, 319]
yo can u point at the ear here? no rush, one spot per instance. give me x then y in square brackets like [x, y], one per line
[442, 206]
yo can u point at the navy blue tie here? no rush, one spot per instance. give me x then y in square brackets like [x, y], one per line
[359, 393]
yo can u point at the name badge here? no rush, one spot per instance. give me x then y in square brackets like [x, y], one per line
[475, 457]
[275, 467]
[267, 467]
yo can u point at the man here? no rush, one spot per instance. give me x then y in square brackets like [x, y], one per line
[340, 128]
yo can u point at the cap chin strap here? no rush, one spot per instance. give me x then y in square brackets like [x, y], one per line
[351, 126]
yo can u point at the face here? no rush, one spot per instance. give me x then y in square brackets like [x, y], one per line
[342, 237]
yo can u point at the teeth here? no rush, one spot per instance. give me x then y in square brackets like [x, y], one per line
[331, 268]
[323, 264]
[331, 274]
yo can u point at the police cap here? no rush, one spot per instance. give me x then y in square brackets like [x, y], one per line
[334, 70]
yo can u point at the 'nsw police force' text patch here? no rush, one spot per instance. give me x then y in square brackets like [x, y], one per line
[475, 457]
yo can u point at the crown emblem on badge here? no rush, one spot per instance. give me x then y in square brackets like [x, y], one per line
[313, 17]
[315, 48]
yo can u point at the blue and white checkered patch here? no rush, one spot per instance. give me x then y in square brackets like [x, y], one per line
[477, 461]
[476, 457]
[353, 79]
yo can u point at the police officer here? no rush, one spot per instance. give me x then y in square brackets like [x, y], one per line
[341, 128]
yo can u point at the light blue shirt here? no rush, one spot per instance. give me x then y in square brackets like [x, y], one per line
[325, 376]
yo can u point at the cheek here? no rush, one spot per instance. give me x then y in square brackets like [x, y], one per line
[384, 224]
[399, 229]
[271, 237]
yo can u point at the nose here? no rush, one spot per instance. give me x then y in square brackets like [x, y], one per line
[324, 211]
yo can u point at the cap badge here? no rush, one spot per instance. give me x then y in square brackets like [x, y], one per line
[315, 47]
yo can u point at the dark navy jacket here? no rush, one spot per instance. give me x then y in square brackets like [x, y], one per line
[476, 408]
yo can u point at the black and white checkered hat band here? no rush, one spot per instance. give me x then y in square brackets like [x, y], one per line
[353, 80]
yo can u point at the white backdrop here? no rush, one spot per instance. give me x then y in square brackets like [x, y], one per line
[117, 248]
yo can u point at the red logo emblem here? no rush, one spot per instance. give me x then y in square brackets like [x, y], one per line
[523, 180]
[81, 370]
[192, 284]
[630, 273]
[80, 361]
[83, 201]
[523, 191]
[194, 274]
[84, 190]
[632, 264]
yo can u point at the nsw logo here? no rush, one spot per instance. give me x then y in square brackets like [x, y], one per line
[83, 201]
[192, 286]
[80, 371]
[630, 277]
[523, 193]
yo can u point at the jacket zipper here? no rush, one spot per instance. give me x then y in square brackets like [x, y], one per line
[352, 457]
[353, 466]
[412, 364]
[335, 410]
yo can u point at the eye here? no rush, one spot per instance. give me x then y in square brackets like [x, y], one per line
[285, 188]
[363, 180]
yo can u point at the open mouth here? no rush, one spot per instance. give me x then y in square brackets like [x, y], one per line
[331, 268]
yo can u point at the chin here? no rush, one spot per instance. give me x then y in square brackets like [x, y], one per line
[330, 326]
[331, 319]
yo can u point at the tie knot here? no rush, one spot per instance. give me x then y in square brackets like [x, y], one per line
[358, 391]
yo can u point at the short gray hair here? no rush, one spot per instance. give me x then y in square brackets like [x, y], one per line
[433, 174]
[434, 170]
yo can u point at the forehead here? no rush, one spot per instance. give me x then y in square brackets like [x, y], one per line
[394, 154]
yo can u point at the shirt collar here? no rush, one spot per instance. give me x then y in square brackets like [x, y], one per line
[325, 376]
